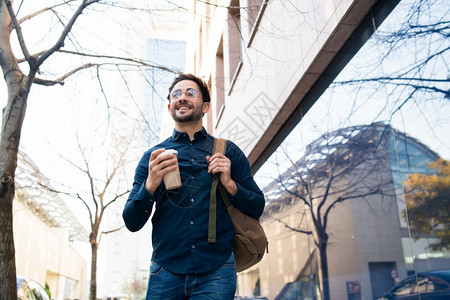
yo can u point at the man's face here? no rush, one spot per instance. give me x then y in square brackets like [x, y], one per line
[187, 107]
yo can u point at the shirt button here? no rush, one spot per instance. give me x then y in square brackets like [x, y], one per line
[193, 246]
[192, 200]
[192, 160]
[146, 211]
[191, 222]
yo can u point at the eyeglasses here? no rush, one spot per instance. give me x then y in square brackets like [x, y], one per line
[191, 94]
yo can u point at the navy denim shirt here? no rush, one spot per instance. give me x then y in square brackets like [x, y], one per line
[180, 220]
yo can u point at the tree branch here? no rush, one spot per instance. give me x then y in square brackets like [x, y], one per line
[60, 42]
[116, 197]
[342, 199]
[292, 228]
[133, 60]
[19, 33]
[108, 232]
[61, 79]
[90, 177]
[70, 195]
[387, 79]
[41, 11]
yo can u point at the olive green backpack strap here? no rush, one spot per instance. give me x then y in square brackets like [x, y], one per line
[220, 146]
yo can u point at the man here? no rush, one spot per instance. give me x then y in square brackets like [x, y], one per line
[184, 264]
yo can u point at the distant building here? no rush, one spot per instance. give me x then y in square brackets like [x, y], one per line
[44, 232]
[171, 54]
[360, 172]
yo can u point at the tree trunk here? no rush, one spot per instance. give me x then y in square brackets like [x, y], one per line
[324, 268]
[13, 115]
[93, 285]
[8, 287]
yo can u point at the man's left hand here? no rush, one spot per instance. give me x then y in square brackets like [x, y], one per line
[219, 163]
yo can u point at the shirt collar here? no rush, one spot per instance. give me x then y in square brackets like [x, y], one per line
[202, 133]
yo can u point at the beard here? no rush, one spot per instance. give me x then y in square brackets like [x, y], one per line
[195, 115]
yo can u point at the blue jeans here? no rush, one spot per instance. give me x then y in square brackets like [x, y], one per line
[219, 284]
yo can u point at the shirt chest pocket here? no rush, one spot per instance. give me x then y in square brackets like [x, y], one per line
[194, 169]
[196, 183]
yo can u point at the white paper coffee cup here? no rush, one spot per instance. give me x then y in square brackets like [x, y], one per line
[172, 179]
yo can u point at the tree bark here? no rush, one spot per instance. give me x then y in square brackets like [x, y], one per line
[9, 147]
[8, 288]
[13, 116]
[324, 269]
[93, 285]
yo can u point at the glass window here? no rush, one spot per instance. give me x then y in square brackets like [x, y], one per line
[361, 181]
[421, 286]
[406, 288]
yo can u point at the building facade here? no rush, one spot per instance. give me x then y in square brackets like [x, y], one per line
[267, 62]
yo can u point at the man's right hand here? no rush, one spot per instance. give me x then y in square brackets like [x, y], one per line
[157, 167]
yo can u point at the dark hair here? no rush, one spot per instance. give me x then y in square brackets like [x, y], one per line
[201, 84]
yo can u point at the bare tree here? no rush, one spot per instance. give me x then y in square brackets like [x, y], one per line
[107, 184]
[21, 71]
[348, 164]
[409, 57]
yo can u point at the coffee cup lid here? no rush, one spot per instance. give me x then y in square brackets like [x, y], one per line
[170, 151]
